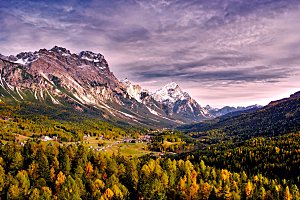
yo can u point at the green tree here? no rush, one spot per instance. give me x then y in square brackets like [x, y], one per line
[23, 182]
[17, 162]
[43, 165]
[96, 187]
[69, 190]
[35, 194]
[65, 164]
[14, 192]
[295, 192]
[46, 193]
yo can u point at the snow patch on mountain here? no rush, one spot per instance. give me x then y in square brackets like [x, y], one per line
[153, 111]
[170, 92]
[19, 93]
[90, 56]
[23, 58]
[125, 114]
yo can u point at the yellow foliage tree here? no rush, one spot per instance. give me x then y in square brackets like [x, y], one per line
[60, 179]
[287, 194]
[2, 178]
[205, 190]
[249, 189]
[52, 174]
[89, 169]
[108, 194]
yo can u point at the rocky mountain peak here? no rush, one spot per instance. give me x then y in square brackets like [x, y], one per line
[2, 56]
[91, 56]
[60, 50]
[177, 102]
[171, 92]
[208, 107]
[171, 86]
[24, 58]
[134, 91]
[126, 82]
[217, 112]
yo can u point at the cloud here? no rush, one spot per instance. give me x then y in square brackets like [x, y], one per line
[198, 43]
[134, 34]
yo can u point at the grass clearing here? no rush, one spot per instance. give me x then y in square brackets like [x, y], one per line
[107, 146]
[111, 146]
[21, 138]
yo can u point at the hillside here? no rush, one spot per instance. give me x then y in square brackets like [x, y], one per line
[274, 119]
[33, 121]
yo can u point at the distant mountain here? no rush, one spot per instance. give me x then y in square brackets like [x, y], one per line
[179, 104]
[217, 112]
[169, 101]
[279, 117]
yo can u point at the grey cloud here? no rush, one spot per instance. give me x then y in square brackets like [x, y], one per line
[256, 74]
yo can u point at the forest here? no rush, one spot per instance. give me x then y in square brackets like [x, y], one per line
[53, 171]
[197, 165]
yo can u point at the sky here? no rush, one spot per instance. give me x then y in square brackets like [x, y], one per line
[222, 52]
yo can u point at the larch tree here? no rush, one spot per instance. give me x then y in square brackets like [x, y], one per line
[287, 194]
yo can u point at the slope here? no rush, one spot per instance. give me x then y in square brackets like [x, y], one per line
[278, 117]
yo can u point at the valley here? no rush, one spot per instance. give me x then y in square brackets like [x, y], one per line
[69, 129]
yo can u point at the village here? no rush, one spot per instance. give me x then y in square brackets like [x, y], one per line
[127, 146]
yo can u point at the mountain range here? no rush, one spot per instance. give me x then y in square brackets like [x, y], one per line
[218, 112]
[84, 82]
